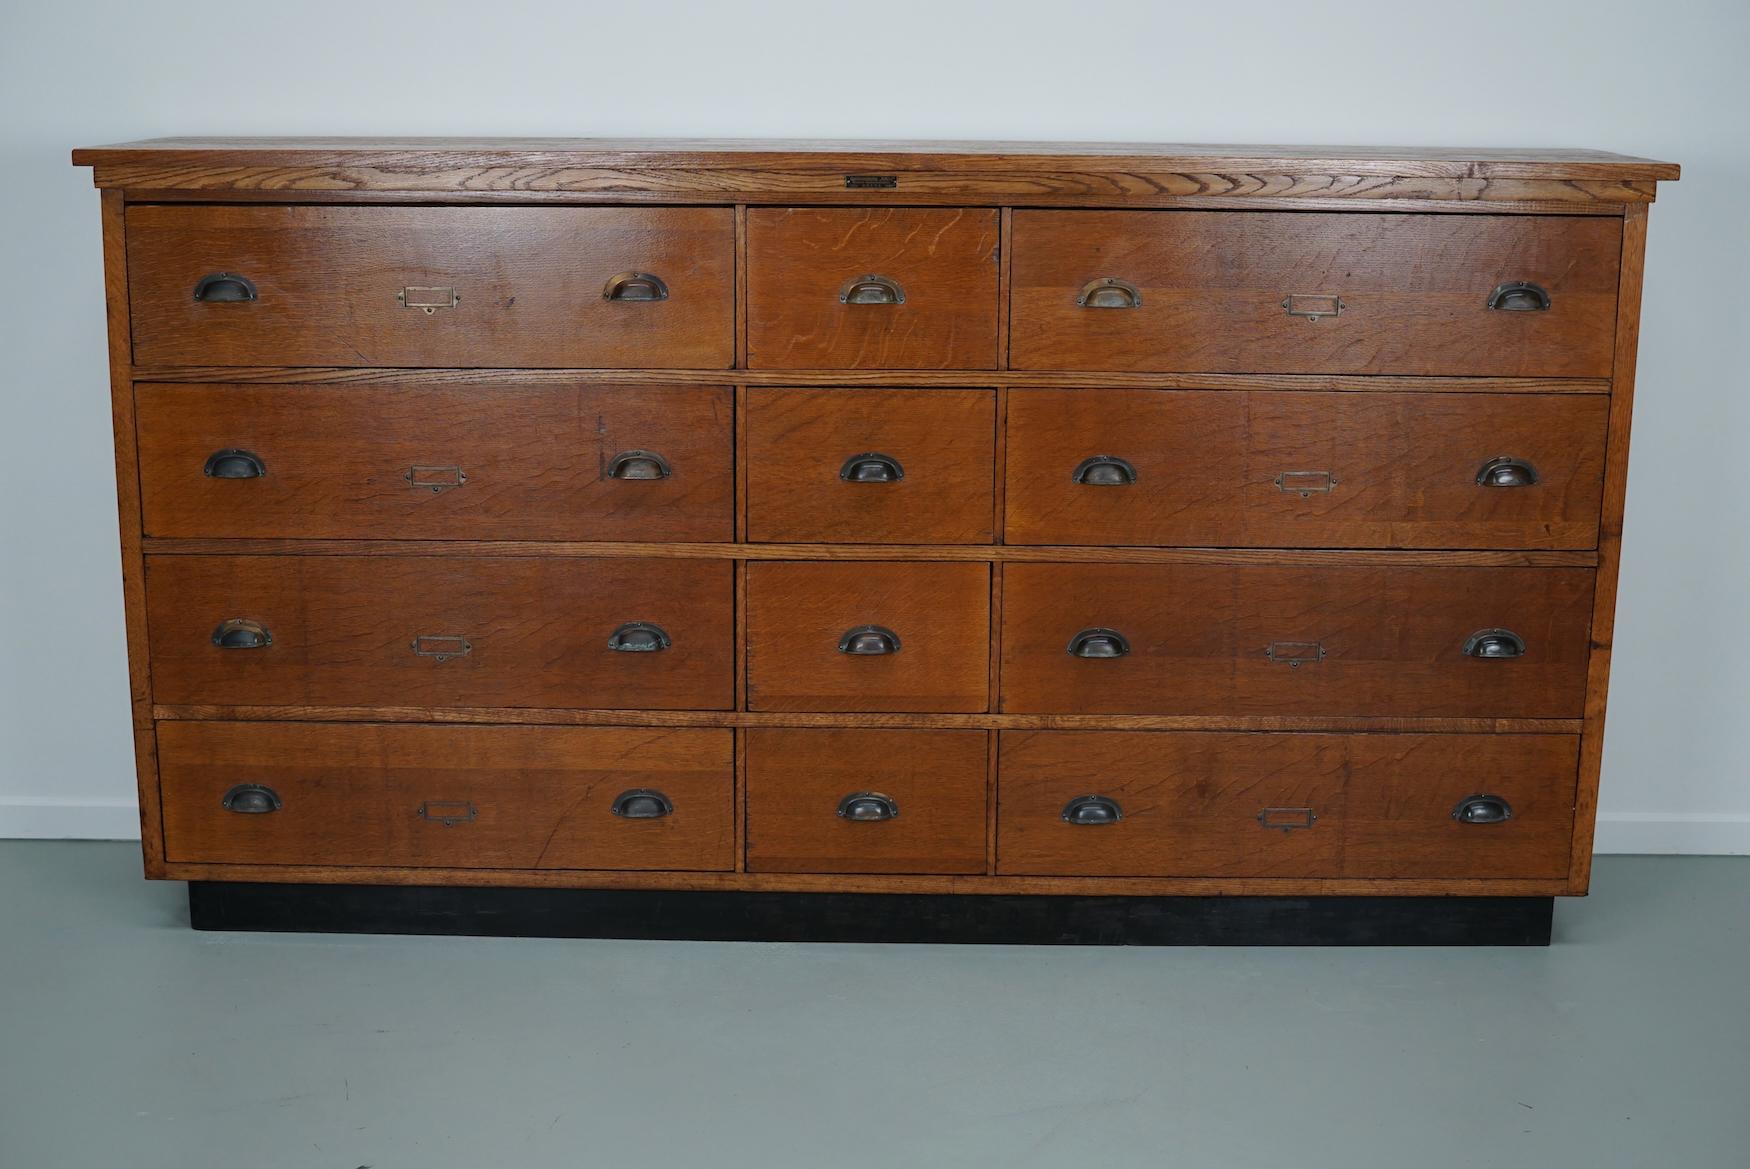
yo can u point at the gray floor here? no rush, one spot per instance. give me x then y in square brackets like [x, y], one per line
[127, 1040]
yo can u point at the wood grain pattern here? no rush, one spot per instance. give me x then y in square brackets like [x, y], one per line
[797, 778]
[340, 461]
[797, 613]
[1392, 640]
[1414, 292]
[799, 441]
[530, 285]
[536, 798]
[1363, 805]
[1400, 470]
[344, 629]
[800, 259]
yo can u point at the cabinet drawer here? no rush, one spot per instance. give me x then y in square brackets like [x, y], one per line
[447, 797]
[1290, 640]
[868, 636]
[858, 288]
[1336, 470]
[1194, 804]
[437, 462]
[866, 801]
[871, 466]
[613, 287]
[1314, 292]
[441, 631]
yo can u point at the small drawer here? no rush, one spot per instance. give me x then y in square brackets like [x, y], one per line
[437, 462]
[871, 466]
[859, 288]
[605, 287]
[480, 797]
[866, 801]
[868, 636]
[554, 632]
[1349, 640]
[1194, 804]
[1315, 292]
[1314, 470]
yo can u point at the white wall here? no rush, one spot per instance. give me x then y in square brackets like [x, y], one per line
[1667, 80]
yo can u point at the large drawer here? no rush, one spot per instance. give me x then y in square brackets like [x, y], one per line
[1195, 804]
[856, 800]
[1338, 640]
[487, 797]
[611, 287]
[1319, 470]
[868, 636]
[581, 462]
[861, 288]
[1315, 292]
[441, 631]
[871, 466]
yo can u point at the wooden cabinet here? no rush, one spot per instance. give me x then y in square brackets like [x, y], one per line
[871, 518]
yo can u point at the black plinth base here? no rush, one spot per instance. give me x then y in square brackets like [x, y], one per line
[874, 917]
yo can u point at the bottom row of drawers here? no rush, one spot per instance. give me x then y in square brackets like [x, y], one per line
[855, 800]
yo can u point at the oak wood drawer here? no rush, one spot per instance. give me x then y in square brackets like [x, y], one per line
[866, 801]
[1322, 470]
[1293, 640]
[864, 288]
[505, 286]
[868, 636]
[447, 796]
[595, 462]
[871, 466]
[1196, 804]
[1218, 291]
[441, 631]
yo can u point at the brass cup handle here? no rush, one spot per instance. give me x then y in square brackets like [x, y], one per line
[872, 289]
[251, 799]
[1098, 642]
[868, 641]
[234, 463]
[241, 633]
[639, 637]
[1506, 471]
[868, 807]
[1494, 643]
[1519, 296]
[872, 467]
[1109, 292]
[639, 465]
[641, 286]
[1104, 471]
[1482, 809]
[224, 288]
[642, 803]
[1092, 811]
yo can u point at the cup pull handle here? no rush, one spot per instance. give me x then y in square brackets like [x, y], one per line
[1092, 810]
[1104, 471]
[868, 641]
[1482, 809]
[872, 289]
[1519, 296]
[639, 465]
[1506, 471]
[639, 637]
[1109, 292]
[241, 633]
[642, 803]
[635, 286]
[224, 288]
[868, 807]
[1099, 643]
[872, 467]
[1494, 643]
[234, 463]
[251, 799]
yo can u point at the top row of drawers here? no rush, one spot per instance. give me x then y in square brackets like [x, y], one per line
[858, 288]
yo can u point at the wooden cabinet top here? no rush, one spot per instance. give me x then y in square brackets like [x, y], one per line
[745, 170]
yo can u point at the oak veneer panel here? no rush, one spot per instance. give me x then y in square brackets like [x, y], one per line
[530, 283]
[799, 442]
[800, 258]
[344, 629]
[535, 461]
[797, 613]
[1369, 805]
[797, 778]
[1414, 291]
[516, 797]
[1392, 640]
[1400, 469]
